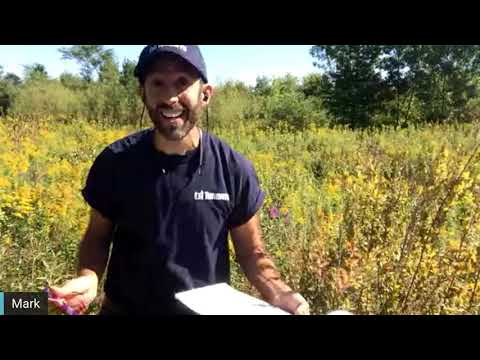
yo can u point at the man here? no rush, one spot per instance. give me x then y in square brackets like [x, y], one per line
[167, 198]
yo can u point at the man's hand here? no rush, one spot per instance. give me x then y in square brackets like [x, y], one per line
[77, 293]
[261, 271]
[292, 302]
[80, 292]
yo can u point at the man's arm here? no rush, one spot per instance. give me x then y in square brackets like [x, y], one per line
[95, 246]
[260, 269]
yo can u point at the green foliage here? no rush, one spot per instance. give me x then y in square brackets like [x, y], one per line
[8, 89]
[108, 72]
[72, 82]
[376, 222]
[90, 58]
[361, 86]
[282, 102]
[46, 97]
[105, 101]
[231, 104]
[112, 99]
[35, 72]
[312, 85]
[273, 103]
[127, 78]
[390, 226]
[131, 99]
[12, 79]
[367, 85]
[353, 90]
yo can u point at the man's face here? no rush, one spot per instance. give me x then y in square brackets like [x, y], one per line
[174, 97]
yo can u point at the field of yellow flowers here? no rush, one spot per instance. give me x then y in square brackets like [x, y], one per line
[372, 222]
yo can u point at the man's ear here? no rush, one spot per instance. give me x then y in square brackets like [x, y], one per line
[207, 93]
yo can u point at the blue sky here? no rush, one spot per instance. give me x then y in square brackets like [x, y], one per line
[224, 62]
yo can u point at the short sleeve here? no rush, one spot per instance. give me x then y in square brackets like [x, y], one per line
[99, 188]
[249, 196]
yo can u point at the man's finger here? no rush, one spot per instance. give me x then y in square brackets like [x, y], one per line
[61, 292]
[78, 302]
[64, 306]
[303, 309]
[56, 302]
[67, 291]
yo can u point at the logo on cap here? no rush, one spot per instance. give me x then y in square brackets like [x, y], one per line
[179, 47]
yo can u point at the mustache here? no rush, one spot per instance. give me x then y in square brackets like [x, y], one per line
[162, 107]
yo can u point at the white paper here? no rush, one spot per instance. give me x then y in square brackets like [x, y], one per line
[221, 299]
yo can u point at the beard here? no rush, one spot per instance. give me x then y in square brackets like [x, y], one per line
[175, 130]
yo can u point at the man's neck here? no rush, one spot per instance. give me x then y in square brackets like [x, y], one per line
[179, 147]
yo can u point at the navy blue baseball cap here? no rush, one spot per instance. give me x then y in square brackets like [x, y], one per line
[190, 53]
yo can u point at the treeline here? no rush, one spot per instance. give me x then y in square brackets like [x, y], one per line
[358, 86]
[104, 91]
[400, 85]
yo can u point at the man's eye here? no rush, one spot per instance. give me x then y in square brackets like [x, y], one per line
[157, 83]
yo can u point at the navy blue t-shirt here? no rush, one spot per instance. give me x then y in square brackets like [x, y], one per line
[171, 217]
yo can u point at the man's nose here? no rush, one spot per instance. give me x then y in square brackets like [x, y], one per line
[172, 97]
[171, 101]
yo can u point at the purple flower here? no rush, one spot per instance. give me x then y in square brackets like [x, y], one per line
[63, 306]
[274, 213]
[69, 310]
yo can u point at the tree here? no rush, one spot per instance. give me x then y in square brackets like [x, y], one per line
[353, 89]
[46, 97]
[283, 104]
[12, 79]
[108, 71]
[440, 78]
[312, 85]
[90, 58]
[127, 77]
[72, 82]
[35, 72]
[132, 100]
[263, 86]
[8, 89]
[365, 81]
